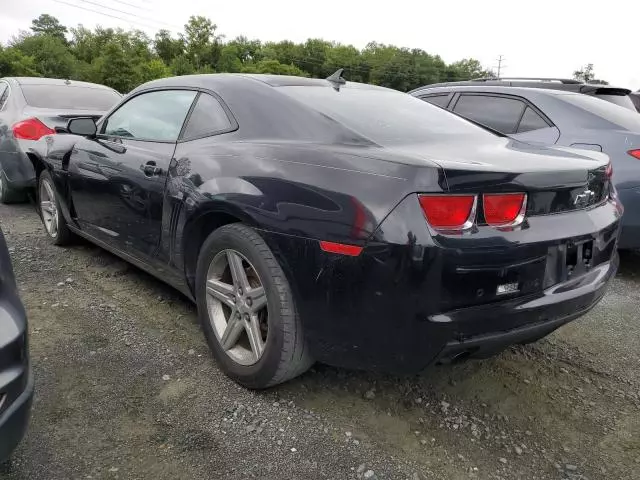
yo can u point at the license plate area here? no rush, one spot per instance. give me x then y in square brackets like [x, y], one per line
[569, 260]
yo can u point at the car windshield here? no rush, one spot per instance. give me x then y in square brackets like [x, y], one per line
[66, 97]
[385, 116]
[622, 117]
[622, 100]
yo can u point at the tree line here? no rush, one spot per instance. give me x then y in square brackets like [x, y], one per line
[123, 59]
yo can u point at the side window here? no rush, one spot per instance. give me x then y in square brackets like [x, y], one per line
[155, 116]
[4, 94]
[441, 100]
[500, 113]
[207, 118]
[531, 121]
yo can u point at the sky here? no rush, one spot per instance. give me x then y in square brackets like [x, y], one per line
[538, 39]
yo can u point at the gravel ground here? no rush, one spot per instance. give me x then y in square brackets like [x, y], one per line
[126, 389]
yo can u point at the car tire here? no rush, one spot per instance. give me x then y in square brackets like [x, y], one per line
[50, 212]
[8, 194]
[285, 354]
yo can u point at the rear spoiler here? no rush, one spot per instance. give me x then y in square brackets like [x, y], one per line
[604, 90]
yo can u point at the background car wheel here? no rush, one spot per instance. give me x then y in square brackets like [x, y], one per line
[54, 222]
[8, 194]
[247, 311]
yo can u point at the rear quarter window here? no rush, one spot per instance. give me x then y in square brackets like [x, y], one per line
[65, 97]
[207, 118]
[531, 121]
[442, 100]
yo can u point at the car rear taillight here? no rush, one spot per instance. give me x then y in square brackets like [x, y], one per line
[608, 172]
[634, 153]
[504, 209]
[449, 212]
[31, 129]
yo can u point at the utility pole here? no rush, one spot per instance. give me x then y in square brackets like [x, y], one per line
[500, 59]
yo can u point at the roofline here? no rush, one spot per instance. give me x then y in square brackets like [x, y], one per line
[543, 85]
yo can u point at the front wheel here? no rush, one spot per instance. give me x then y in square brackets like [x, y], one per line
[54, 222]
[247, 311]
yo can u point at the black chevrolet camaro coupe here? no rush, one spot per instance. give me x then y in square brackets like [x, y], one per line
[333, 221]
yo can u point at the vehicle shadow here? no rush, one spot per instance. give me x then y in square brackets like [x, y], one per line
[629, 264]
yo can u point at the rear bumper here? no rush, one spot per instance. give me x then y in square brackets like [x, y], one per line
[398, 307]
[540, 316]
[18, 169]
[15, 419]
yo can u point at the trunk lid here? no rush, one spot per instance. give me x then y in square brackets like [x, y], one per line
[555, 179]
[488, 265]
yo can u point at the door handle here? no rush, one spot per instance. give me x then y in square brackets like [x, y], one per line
[151, 169]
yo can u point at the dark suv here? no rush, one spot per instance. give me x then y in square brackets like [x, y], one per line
[619, 96]
[16, 381]
[560, 118]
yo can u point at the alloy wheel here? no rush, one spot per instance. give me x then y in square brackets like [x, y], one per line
[237, 307]
[48, 208]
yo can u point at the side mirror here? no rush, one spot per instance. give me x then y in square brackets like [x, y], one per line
[84, 126]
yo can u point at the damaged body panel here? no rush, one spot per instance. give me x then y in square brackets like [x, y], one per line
[337, 182]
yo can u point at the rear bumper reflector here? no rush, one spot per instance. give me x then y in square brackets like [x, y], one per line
[341, 248]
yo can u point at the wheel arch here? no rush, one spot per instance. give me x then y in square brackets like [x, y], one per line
[39, 165]
[198, 226]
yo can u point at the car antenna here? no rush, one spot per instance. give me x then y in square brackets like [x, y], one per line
[337, 79]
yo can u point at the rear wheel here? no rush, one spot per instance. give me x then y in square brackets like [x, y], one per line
[247, 311]
[8, 194]
[54, 222]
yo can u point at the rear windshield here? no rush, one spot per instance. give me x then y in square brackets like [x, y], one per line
[622, 117]
[67, 97]
[384, 116]
[622, 100]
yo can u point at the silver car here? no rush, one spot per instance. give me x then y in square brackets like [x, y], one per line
[31, 108]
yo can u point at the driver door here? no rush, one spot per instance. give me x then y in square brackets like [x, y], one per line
[117, 179]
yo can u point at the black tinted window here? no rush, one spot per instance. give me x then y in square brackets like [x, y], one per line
[66, 97]
[156, 116]
[440, 100]
[501, 114]
[207, 118]
[531, 121]
[384, 116]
